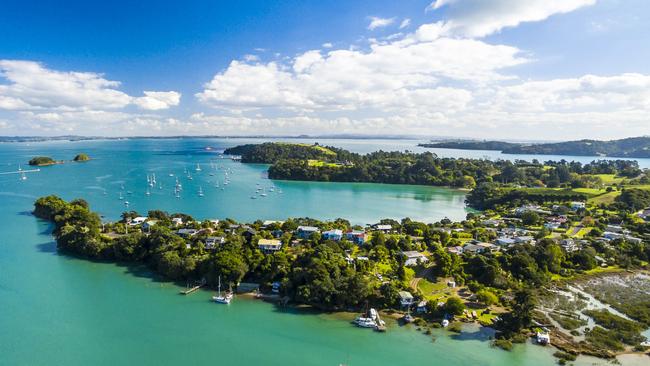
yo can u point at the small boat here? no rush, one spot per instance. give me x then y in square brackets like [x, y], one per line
[126, 203]
[198, 167]
[121, 197]
[225, 299]
[445, 323]
[23, 176]
[200, 192]
[147, 193]
[253, 197]
[364, 322]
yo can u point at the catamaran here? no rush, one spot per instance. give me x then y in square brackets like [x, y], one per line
[225, 299]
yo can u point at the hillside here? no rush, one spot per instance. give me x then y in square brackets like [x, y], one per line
[269, 153]
[633, 147]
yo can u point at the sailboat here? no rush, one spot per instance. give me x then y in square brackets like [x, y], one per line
[23, 176]
[198, 167]
[200, 192]
[121, 197]
[147, 192]
[225, 299]
[153, 179]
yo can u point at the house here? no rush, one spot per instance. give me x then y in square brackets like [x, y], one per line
[334, 234]
[524, 240]
[644, 214]
[269, 245]
[356, 236]
[177, 221]
[458, 250]
[138, 220]
[414, 258]
[275, 287]
[488, 247]
[614, 228]
[148, 224]
[305, 232]
[612, 236]
[505, 241]
[212, 242]
[577, 206]
[249, 233]
[553, 225]
[405, 298]
[214, 222]
[422, 307]
[187, 233]
[381, 227]
[491, 222]
[569, 245]
[473, 248]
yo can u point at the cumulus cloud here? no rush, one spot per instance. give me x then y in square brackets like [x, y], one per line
[377, 22]
[158, 100]
[479, 18]
[32, 86]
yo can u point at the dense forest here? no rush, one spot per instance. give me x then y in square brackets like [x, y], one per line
[311, 163]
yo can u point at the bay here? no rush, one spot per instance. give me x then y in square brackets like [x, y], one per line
[56, 310]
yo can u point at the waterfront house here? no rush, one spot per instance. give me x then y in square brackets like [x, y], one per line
[269, 245]
[149, 224]
[267, 223]
[138, 220]
[422, 307]
[249, 233]
[214, 222]
[213, 242]
[356, 236]
[382, 227]
[405, 298]
[413, 258]
[305, 232]
[334, 234]
[177, 221]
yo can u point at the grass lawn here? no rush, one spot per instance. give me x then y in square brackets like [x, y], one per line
[435, 290]
[605, 198]
[609, 179]
[320, 163]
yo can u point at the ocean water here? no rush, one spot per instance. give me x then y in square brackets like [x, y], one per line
[56, 310]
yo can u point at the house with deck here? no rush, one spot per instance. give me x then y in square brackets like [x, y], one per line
[305, 232]
[213, 242]
[269, 246]
[356, 236]
[334, 234]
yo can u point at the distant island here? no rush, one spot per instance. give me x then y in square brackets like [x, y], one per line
[633, 147]
[81, 157]
[42, 161]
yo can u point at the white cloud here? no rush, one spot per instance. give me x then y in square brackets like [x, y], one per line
[377, 22]
[158, 100]
[32, 86]
[251, 58]
[327, 45]
[405, 23]
[479, 18]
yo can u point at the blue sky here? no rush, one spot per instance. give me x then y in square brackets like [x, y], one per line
[473, 68]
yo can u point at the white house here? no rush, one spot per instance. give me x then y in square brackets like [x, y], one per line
[177, 221]
[414, 258]
[405, 298]
[212, 242]
[137, 220]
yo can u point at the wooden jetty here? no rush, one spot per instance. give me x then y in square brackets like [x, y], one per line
[192, 289]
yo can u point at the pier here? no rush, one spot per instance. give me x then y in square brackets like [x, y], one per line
[192, 289]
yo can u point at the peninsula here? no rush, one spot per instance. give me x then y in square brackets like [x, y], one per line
[634, 147]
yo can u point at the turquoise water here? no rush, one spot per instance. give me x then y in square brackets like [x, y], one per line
[56, 310]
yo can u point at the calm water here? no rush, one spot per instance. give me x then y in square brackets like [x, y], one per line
[56, 310]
